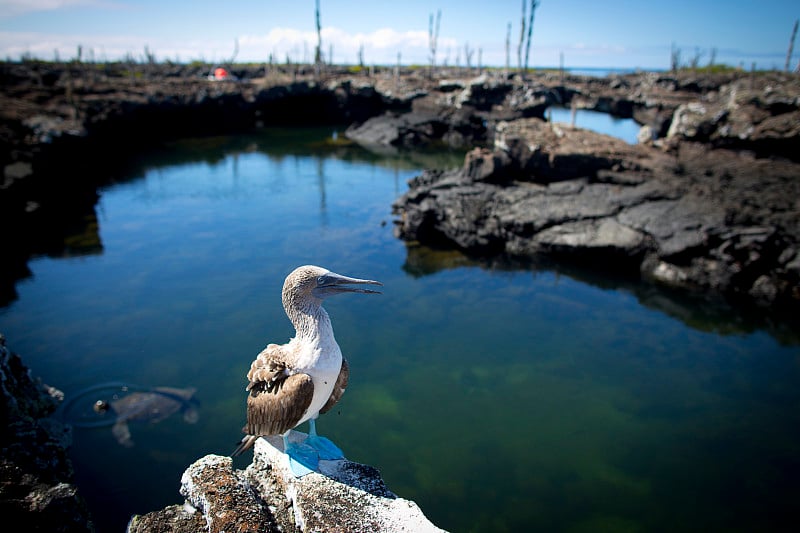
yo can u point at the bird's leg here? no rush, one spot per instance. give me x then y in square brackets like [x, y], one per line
[326, 449]
[303, 459]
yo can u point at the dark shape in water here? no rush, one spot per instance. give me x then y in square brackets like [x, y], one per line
[129, 403]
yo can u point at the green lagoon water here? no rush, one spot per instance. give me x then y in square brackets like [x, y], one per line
[498, 398]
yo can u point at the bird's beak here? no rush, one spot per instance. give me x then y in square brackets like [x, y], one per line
[331, 283]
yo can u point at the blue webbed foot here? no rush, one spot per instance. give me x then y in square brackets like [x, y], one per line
[325, 448]
[303, 459]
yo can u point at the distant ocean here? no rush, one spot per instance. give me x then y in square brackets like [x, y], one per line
[602, 72]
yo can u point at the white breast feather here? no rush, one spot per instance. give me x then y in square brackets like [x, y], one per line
[322, 360]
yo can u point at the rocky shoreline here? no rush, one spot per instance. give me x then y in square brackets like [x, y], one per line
[704, 220]
[37, 487]
[704, 202]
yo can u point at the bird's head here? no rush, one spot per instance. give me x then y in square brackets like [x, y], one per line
[101, 406]
[309, 283]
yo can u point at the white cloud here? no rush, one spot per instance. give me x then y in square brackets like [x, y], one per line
[380, 46]
[109, 47]
[11, 8]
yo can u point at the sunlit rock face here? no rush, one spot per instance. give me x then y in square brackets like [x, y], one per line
[684, 215]
[754, 113]
[343, 497]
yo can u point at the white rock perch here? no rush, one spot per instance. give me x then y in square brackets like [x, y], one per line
[343, 497]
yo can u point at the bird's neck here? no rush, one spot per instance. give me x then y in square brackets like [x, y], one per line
[314, 344]
[311, 323]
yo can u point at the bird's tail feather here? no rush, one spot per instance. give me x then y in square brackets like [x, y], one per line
[245, 444]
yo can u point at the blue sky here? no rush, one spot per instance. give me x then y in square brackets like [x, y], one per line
[614, 33]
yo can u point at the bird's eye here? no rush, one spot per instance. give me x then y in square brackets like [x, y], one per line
[321, 280]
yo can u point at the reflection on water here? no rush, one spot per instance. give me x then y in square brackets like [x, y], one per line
[499, 396]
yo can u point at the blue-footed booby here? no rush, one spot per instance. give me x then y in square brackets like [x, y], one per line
[296, 382]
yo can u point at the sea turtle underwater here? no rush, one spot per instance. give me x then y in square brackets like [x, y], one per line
[153, 405]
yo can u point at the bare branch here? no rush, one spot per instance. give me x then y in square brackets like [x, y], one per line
[521, 37]
[318, 50]
[791, 46]
[508, 47]
[534, 5]
[433, 38]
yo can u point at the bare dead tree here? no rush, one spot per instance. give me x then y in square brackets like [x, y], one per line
[508, 47]
[318, 50]
[694, 62]
[468, 55]
[674, 58]
[791, 46]
[521, 36]
[149, 56]
[712, 57]
[148, 60]
[433, 38]
[235, 52]
[534, 5]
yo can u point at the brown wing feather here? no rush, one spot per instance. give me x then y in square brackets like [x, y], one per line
[276, 411]
[268, 366]
[338, 388]
[277, 400]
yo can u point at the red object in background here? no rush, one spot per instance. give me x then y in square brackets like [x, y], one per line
[220, 73]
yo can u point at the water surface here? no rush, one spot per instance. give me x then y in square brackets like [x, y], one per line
[624, 128]
[498, 398]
